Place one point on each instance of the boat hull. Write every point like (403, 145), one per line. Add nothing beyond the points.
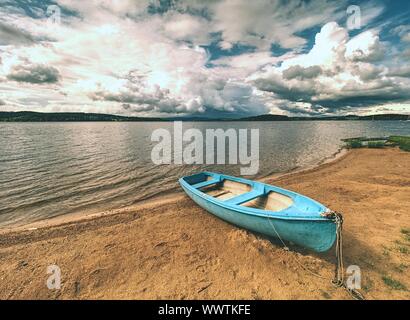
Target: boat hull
(316, 235)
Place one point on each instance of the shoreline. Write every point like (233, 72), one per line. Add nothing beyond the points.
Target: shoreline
(173, 249)
(159, 199)
(334, 158)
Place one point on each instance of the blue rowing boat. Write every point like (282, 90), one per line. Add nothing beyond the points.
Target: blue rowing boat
(262, 208)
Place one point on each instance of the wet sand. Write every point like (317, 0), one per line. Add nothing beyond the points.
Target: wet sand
(172, 249)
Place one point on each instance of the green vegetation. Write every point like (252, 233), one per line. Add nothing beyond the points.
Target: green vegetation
(394, 284)
(368, 285)
(403, 250)
(401, 141)
(362, 142)
(402, 267)
(403, 247)
(386, 252)
(375, 144)
(400, 243)
(406, 233)
(326, 295)
(354, 144)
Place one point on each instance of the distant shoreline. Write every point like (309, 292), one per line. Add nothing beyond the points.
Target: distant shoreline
(30, 116)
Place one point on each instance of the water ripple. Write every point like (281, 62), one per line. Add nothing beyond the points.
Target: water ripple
(52, 169)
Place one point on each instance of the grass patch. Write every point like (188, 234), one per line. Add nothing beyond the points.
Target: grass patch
(402, 141)
(368, 285)
(400, 243)
(406, 234)
(354, 144)
(325, 295)
(394, 284)
(403, 250)
(375, 144)
(405, 231)
(386, 251)
(402, 267)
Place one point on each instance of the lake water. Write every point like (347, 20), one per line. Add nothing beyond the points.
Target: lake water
(52, 169)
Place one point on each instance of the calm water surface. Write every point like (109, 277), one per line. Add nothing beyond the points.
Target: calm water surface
(52, 169)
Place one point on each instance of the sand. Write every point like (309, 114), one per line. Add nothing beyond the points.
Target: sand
(172, 249)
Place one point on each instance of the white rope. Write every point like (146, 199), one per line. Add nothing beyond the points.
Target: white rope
(339, 269)
(338, 280)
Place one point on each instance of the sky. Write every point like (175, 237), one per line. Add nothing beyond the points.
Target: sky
(215, 58)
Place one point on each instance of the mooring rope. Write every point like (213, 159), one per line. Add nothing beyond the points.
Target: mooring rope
(339, 269)
(338, 279)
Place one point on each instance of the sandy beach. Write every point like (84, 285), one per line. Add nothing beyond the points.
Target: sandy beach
(173, 249)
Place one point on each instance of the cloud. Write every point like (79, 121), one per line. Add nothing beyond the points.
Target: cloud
(10, 35)
(214, 57)
(242, 65)
(365, 47)
(337, 74)
(367, 71)
(406, 53)
(370, 11)
(205, 95)
(403, 31)
(301, 73)
(94, 8)
(185, 27)
(400, 71)
(329, 48)
(36, 73)
(133, 96)
(261, 23)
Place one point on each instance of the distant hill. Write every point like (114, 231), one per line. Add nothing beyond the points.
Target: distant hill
(376, 117)
(267, 117)
(29, 116)
(386, 117)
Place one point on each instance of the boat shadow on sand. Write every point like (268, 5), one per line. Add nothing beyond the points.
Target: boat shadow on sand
(355, 251)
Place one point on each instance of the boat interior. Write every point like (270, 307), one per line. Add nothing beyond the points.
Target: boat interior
(244, 194)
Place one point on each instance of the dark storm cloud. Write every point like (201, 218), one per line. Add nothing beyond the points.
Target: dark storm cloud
(307, 91)
(10, 35)
(403, 71)
(133, 99)
(36, 73)
(364, 100)
(124, 97)
(303, 91)
(384, 92)
(302, 73)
